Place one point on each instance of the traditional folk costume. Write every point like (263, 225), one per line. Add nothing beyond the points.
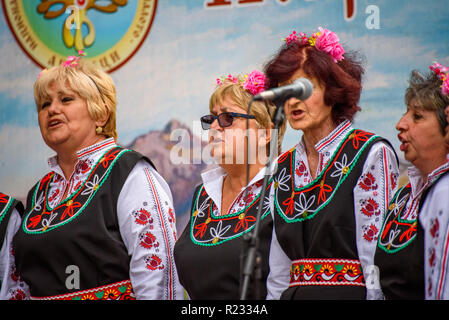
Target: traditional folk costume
(412, 251)
(326, 229)
(111, 237)
(208, 252)
(12, 287)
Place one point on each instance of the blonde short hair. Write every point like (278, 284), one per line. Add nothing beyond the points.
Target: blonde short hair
(241, 97)
(91, 83)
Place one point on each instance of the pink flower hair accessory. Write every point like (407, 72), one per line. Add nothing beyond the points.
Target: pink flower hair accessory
(72, 61)
(443, 73)
(324, 40)
(254, 82)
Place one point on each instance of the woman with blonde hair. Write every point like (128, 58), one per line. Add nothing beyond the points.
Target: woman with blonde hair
(224, 206)
(100, 224)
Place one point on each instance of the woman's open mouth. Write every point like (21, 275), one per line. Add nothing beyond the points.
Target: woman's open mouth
(296, 114)
(54, 124)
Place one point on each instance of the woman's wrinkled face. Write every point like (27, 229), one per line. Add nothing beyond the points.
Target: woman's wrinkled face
(421, 139)
(228, 145)
(308, 114)
(64, 119)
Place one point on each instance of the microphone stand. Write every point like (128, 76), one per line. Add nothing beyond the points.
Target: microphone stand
(251, 258)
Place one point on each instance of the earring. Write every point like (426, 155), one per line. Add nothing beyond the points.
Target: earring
(99, 130)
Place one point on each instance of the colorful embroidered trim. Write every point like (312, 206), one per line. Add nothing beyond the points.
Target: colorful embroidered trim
(209, 230)
(326, 272)
(42, 218)
(397, 233)
(5, 204)
(122, 290)
(297, 205)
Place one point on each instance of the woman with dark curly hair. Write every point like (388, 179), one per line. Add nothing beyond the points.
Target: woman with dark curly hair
(331, 189)
(412, 251)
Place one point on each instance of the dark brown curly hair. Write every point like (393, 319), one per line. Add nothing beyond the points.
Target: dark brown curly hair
(342, 81)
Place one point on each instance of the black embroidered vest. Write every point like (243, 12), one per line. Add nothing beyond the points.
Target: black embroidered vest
(400, 251)
(208, 253)
(7, 205)
(315, 225)
(80, 233)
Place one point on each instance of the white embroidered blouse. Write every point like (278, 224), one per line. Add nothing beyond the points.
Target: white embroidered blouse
(146, 220)
(434, 218)
(12, 287)
(372, 193)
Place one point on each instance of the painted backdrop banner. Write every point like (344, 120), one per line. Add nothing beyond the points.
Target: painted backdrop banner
(165, 56)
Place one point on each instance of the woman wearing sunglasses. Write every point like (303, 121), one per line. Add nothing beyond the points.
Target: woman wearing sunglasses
(224, 207)
(330, 191)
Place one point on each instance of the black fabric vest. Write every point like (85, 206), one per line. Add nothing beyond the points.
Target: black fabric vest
(400, 250)
(208, 253)
(81, 231)
(7, 205)
(321, 226)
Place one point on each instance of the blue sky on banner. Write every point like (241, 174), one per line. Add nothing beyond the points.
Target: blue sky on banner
(189, 46)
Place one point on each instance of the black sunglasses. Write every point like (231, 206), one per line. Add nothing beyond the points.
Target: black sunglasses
(225, 119)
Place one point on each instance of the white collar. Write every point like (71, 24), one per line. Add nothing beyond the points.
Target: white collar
(213, 182)
(89, 152)
(330, 140)
(416, 181)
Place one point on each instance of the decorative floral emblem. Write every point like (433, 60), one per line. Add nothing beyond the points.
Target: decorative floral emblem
(56, 29)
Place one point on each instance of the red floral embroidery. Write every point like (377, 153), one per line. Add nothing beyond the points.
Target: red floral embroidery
(370, 207)
(243, 222)
(434, 227)
(34, 221)
(202, 227)
(289, 204)
(360, 136)
(83, 166)
(105, 160)
(323, 189)
(53, 195)
(411, 231)
(18, 295)
(69, 210)
(148, 240)
(432, 257)
(153, 262)
(45, 179)
(368, 182)
(3, 198)
(301, 169)
(171, 215)
(370, 233)
(394, 180)
(143, 217)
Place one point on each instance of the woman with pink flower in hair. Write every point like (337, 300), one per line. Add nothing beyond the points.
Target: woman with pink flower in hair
(412, 252)
(99, 225)
(224, 206)
(330, 191)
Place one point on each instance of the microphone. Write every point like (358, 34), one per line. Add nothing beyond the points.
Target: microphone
(301, 89)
